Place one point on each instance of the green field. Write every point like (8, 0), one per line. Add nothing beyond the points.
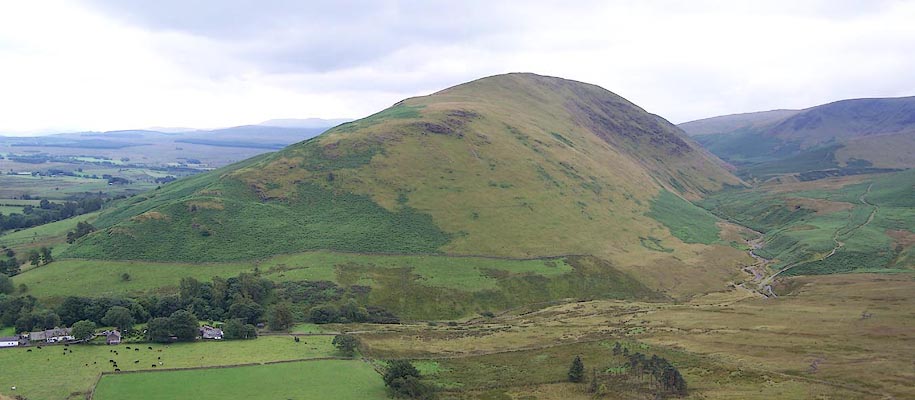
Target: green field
(89, 278)
(53, 235)
(461, 286)
(71, 374)
(62, 187)
(325, 379)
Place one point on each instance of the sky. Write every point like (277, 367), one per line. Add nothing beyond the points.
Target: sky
(125, 64)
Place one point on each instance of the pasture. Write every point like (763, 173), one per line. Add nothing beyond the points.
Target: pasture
(320, 379)
(48, 373)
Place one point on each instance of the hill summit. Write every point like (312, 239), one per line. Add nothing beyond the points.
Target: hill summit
(516, 165)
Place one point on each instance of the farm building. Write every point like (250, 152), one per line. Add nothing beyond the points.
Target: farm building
(11, 341)
(51, 335)
(209, 332)
(113, 337)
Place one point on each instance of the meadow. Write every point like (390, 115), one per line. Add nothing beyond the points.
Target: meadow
(49, 373)
(323, 379)
(403, 284)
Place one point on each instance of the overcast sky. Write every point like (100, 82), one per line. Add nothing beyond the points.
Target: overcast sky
(104, 65)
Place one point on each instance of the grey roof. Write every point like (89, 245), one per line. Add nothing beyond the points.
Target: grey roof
(9, 339)
(50, 333)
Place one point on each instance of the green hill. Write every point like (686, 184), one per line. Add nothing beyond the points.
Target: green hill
(517, 165)
(842, 138)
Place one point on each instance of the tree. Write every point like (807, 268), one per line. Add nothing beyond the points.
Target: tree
(247, 310)
(34, 258)
(237, 329)
(594, 387)
(6, 284)
(119, 317)
(347, 344)
(158, 330)
(184, 325)
(324, 314)
(83, 330)
(125, 277)
(280, 317)
(403, 381)
(577, 370)
(46, 255)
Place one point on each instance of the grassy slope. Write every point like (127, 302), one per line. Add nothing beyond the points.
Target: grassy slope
(338, 379)
(53, 235)
(72, 375)
(513, 165)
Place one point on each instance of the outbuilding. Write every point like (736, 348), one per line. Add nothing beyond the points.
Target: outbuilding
(11, 341)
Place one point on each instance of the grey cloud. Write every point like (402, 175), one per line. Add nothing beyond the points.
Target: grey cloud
(296, 36)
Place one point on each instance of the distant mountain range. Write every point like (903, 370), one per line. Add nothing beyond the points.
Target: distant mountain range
(215, 147)
(844, 137)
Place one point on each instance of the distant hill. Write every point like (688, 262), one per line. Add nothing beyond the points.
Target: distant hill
(304, 123)
(844, 137)
(516, 165)
(213, 148)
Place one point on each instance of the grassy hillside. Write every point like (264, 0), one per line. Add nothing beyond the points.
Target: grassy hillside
(852, 224)
(516, 165)
(845, 138)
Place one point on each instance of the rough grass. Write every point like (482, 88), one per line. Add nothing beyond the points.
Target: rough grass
(686, 221)
(72, 375)
(325, 379)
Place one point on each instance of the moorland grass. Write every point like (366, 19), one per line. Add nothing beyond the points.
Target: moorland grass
(323, 379)
(70, 372)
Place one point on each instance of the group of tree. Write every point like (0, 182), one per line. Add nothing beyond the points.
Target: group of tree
(41, 256)
(346, 344)
(82, 229)
(182, 325)
(49, 212)
(663, 378)
(243, 302)
(402, 380)
(9, 265)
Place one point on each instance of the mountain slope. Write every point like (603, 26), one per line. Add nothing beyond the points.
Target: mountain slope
(844, 137)
(516, 165)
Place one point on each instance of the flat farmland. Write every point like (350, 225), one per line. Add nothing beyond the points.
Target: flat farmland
(320, 379)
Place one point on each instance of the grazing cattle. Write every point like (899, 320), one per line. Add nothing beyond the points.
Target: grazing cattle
(39, 347)
(87, 364)
(136, 361)
(154, 365)
(136, 349)
(117, 370)
(28, 351)
(128, 347)
(111, 361)
(150, 347)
